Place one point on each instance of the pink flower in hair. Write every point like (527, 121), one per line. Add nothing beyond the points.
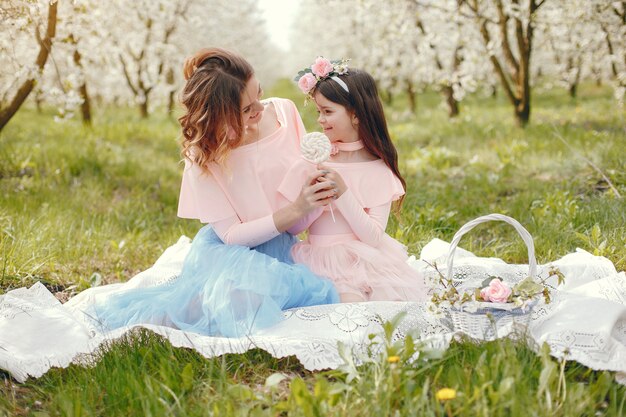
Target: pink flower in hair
(322, 67)
(307, 82)
(496, 292)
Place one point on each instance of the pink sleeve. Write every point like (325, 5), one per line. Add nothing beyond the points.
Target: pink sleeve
(291, 185)
(233, 232)
(376, 186)
(290, 188)
(306, 221)
(201, 197)
(367, 224)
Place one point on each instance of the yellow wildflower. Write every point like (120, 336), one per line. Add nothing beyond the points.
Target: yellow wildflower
(445, 394)
(393, 359)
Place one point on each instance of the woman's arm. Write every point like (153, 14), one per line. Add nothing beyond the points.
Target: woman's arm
(313, 196)
(305, 222)
(233, 231)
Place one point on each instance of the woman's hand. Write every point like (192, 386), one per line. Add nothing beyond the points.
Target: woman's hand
(317, 191)
(334, 180)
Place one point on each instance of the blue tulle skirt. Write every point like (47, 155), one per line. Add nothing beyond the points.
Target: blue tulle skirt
(223, 290)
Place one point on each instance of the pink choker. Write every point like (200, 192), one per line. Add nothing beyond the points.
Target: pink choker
(335, 147)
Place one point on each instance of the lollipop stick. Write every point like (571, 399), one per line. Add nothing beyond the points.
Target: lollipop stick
(332, 214)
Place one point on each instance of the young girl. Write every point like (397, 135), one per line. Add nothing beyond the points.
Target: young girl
(352, 249)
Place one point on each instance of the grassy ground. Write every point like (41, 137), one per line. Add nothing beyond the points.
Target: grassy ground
(80, 206)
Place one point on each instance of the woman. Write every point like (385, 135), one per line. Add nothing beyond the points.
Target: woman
(237, 149)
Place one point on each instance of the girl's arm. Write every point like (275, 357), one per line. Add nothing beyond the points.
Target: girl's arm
(367, 224)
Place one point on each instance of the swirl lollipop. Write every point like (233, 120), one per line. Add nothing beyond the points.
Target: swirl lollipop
(315, 148)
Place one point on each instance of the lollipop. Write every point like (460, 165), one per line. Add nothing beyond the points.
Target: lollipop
(315, 147)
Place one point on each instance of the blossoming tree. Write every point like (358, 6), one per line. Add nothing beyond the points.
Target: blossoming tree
(507, 31)
(69, 54)
(611, 18)
(457, 46)
(117, 52)
(421, 43)
(34, 23)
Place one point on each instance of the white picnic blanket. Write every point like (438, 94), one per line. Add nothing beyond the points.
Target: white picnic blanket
(585, 322)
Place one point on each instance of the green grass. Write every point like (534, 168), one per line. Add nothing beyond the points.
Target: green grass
(79, 203)
(144, 375)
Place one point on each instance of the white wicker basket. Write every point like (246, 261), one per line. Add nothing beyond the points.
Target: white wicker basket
(485, 320)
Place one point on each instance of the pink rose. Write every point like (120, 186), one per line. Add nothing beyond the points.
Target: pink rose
(307, 82)
(322, 67)
(496, 292)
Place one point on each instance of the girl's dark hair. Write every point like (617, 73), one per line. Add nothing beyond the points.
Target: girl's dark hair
(364, 103)
(212, 124)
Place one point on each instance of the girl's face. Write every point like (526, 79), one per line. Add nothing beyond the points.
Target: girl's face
(251, 107)
(338, 123)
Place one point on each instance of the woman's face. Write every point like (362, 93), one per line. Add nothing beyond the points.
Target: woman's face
(338, 123)
(251, 107)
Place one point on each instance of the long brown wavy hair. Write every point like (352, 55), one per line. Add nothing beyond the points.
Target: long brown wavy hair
(212, 124)
(363, 101)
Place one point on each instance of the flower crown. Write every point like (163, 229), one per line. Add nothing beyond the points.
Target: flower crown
(321, 69)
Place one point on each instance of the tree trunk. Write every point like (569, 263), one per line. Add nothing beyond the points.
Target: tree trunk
(522, 110)
(25, 89)
(573, 84)
(494, 92)
(38, 101)
(513, 69)
(451, 102)
(388, 97)
(609, 44)
(522, 113)
(410, 91)
(143, 108)
(171, 103)
(448, 91)
(85, 107)
(169, 79)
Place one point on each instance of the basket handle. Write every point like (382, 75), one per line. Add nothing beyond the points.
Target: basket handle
(526, 237)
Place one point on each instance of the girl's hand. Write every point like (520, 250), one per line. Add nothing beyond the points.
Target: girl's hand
(334, 179)
(316, 192)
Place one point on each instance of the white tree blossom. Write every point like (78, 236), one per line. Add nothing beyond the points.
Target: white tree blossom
(30, 28)
(120, 52)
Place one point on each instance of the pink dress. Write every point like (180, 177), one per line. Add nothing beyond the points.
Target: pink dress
(354, 251)
(246, 186)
